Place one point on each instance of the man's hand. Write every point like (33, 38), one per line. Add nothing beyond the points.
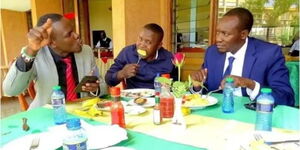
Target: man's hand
(240, 82)
(91, 87)
(199, 77)
(38, 37)
(128, 71)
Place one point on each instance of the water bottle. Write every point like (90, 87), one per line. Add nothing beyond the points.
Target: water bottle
(75, 138)
(264, 110)
(157, 85)
(58, 104)
(228, 103)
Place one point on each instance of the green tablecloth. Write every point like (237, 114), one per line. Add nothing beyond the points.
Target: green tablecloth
(293, 67)
(40, 119)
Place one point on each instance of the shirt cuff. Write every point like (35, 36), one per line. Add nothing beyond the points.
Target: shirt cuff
(253, 93)
(22, 65)
(194, 91)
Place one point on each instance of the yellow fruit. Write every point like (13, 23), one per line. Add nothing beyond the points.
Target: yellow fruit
(90, 102)
(142, 52)
(80, 112)
(94, 112)
(185, 111)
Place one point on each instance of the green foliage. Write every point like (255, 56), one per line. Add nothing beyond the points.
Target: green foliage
(179, 88)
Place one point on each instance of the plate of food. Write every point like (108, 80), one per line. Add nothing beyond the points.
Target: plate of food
(196, 101)
(136, 93)
(105, 105)
(144, 102)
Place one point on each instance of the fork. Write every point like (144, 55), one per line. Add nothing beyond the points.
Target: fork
(34, 143)
(258, 137)
(209, 93)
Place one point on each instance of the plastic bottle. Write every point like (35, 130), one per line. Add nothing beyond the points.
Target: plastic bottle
(264, 110)
(75, 137)
(228, 103)
(58, 104)
(117, 109)
(157, 119)
(157, 85)
(166, 102)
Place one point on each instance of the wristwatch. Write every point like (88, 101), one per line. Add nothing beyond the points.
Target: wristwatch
(27, 58)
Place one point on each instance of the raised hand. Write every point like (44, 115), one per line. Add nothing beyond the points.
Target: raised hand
(199, 77)
(38, 37)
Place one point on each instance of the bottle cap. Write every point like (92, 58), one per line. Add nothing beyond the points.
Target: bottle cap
(115, 91)
(266, 90)
(56, 87)
(166, 75)
(229, 79)
(73, 123)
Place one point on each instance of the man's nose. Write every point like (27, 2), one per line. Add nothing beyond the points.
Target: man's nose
(219, 38)
(75, 35)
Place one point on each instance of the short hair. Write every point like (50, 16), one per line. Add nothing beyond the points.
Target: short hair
(43, 19)
(156, 29)
(244, 15)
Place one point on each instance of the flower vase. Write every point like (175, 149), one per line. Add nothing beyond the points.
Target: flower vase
(178, 119)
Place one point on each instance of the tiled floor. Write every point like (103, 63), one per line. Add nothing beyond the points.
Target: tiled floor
(10, 106)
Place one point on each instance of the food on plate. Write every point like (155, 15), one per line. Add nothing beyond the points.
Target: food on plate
(194, 100)
(185, 111)
(137, 94)
(140, 101)
(93, 111)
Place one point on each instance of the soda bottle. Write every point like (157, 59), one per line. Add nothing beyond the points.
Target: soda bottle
(117, 109)
(75, 137)
(264, 110)
(58, 104)
(228, 103)
(157, 85)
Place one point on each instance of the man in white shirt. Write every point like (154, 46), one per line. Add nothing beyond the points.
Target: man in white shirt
(253, 63)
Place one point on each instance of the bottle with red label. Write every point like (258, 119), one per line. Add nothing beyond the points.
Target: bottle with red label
(117, 109)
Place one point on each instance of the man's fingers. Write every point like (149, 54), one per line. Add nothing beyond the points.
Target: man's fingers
(47, 24)
(35, 35)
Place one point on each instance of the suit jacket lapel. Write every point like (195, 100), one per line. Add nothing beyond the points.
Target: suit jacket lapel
(79, 65)
(249, 60)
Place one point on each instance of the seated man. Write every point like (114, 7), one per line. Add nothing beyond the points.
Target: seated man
(252, 63)
(53, 56)
(138, 71)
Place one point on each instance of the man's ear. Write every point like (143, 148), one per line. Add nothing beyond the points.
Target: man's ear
(244, 34)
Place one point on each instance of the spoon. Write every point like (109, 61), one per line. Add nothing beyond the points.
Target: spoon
(209, 93)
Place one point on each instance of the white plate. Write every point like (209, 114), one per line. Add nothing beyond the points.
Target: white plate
(99, 136)
(149, 103)
(135, 93)
(211, 101)
(134, 110)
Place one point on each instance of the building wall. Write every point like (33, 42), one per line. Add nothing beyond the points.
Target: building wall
(13, 37)
(129, 16)
(41, 7)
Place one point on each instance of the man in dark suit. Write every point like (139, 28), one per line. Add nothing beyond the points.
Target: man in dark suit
(254, 63)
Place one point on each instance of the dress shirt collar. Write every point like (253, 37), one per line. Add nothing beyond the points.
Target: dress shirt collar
(240, 54)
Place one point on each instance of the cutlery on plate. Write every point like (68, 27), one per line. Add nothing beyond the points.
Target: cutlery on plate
(213, 91)
(34, 143)
(258, 137)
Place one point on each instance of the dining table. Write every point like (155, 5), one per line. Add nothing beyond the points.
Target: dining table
(206, 128)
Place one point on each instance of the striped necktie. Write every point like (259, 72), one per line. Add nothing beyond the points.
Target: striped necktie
(229, 67)
(71, 94)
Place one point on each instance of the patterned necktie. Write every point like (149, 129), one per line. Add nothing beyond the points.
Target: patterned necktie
(229, 67)
(71, 94)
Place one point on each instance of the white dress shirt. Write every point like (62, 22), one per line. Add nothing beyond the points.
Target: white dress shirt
(237, 70)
